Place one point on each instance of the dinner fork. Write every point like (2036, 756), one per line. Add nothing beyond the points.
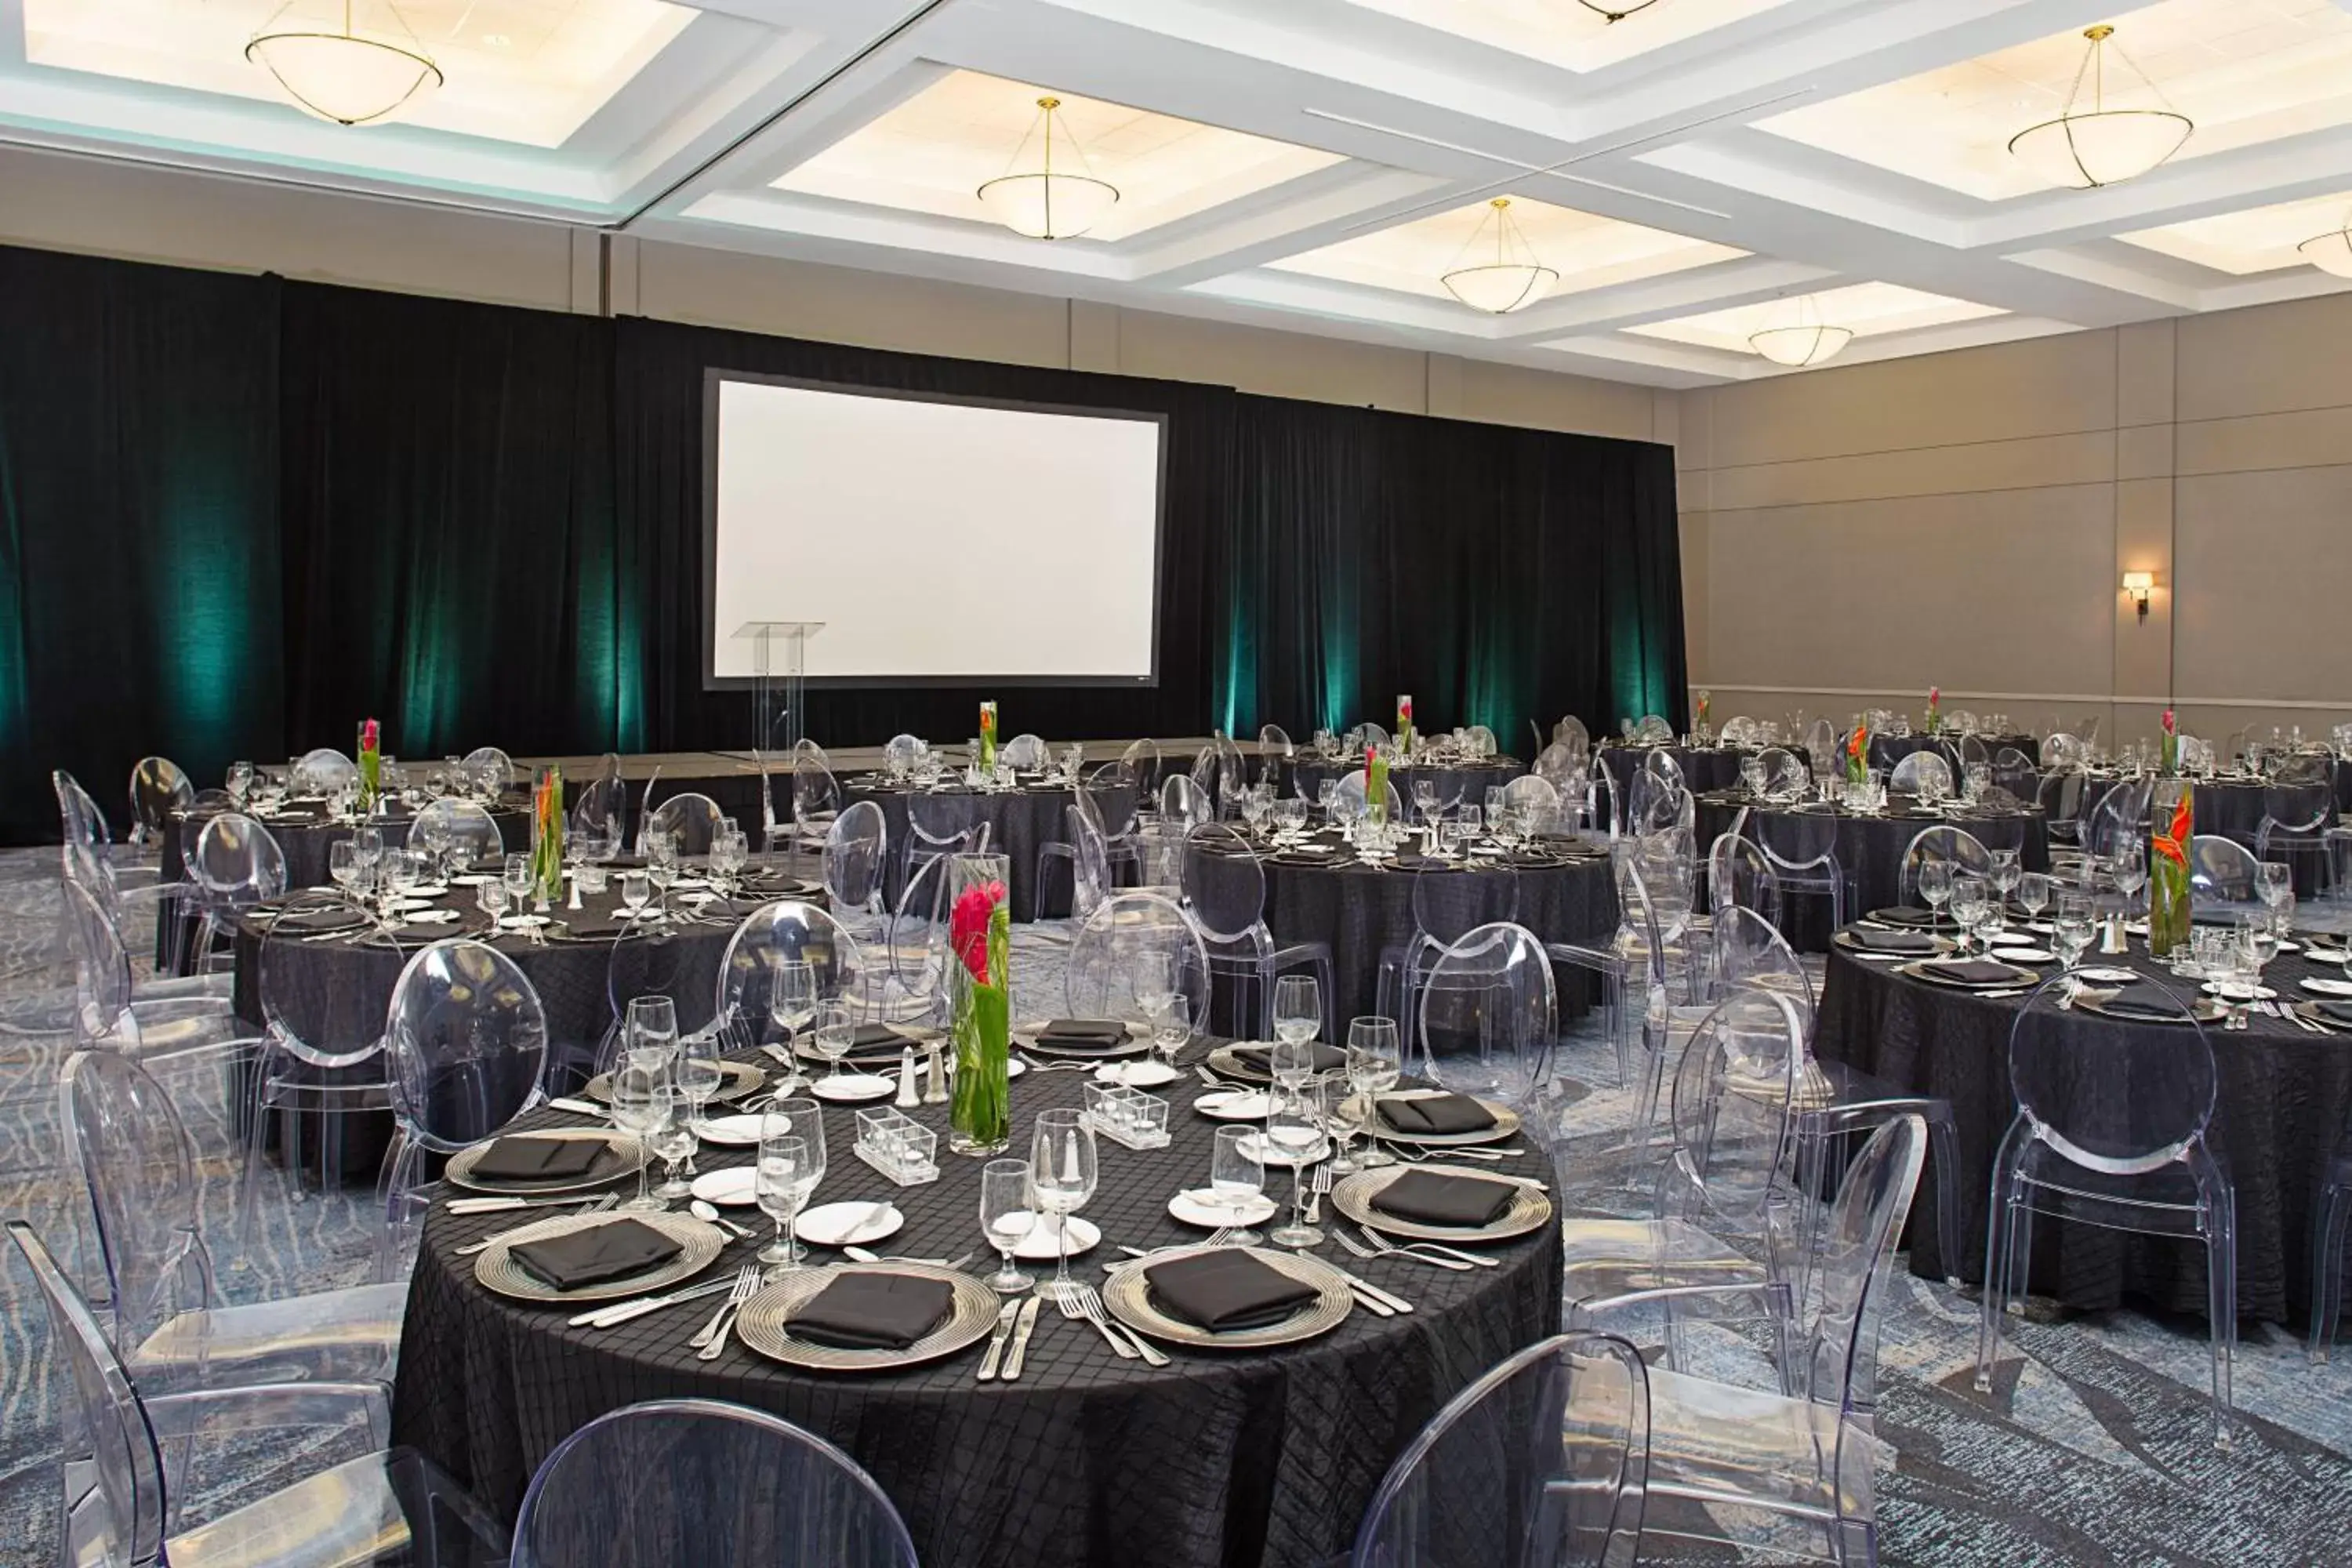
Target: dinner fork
(711, 1338)
(1073, 1307)
(1375, 1245)
(1435, 1248)
(1318, 1189)
(471, 1247)
(1091, 1302)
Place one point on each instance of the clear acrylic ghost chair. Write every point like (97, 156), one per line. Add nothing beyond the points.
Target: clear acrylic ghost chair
(1539, 1462)
(1224, 891)
(2330, 1215)
(2082, 1149)
(493, 767)
(1115, 797)
(236, 864)
(2296, 815)
(2060, 749)
(648, 959)
(817, 800)
(677, 1481)
(1184, 804)
(938, 824)
(1107, 952)
(600, 813)
(1920, 774)
(916, 943)
(787, 930)
(1370, 734)
(1654, 801)
(805, 748)
(693, 821)
(465, 1040)
(2223, 875)
(1348, 798)
(1789, 1472)
(1570, 732)
(1738, 876)
(141, 1170)
(158, 788)
(1447, 905)
(2117, 822)
(123, 1451)
(900, 752)
(1087, 852)
(1558, 766)
(82, 822)
(1232, 776)
(856, 852)
(1801, 844)
(1274, 741)
(1953, 847)
(2059, 792)
(1025, 752)
(321, 771)
(1488, 1016)
(1203, 774)
(319, 1058)
(1604, 817)
(1822, 749)
(1537, 802)
(1634, 970)
(1654, 731)
(1142, 758)
(113, 1008)
(1786, 775)
(456, 832)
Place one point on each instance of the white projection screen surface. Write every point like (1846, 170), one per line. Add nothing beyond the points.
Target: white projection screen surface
(938, 541)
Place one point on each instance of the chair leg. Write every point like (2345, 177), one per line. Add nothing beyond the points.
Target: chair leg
(2005, 1236)
(2222, 1303)
(1943, 1146)
(256, 1134)
(2327, 1269)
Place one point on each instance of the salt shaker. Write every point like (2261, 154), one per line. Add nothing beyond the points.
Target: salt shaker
(907, 1095)
(937, 1092)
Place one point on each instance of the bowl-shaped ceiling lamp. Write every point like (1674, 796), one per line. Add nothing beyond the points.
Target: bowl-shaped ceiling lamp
(1051, 195)
(2094, 143)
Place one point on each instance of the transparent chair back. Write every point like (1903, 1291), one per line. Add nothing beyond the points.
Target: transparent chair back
(1662, 766)
(1559, 766)
(1115, 794)
(1225, 884)
(1143, 757)
(1922, 773)
(1537, 802)
(456, 832)
(84, 824)
(806, 750)
(654, 959)
(158, 788)
(1570, 732)
(315, 1023)
(785, 931)
(600, 814)
(2222, 872)
(900, 752)
(492, 766)
(1750, 951)
(1274, 740)
(816, 795)
(919, 942)
(1821, 748)
(1656, 803)
(237, 861)
(1738, 876)
(1184, 801)
(1106, 953)
(467, 1040)
(2059, 793)
(1539, 1463)
(1369, 734)
(1488, 1015)
(1025, 752)
(321, 771)
(1786, 775)
(940, 824)
(693, 822)
(2119, 820)
(679, 1481)
(1654, 731)
(2062, 750)
(1348, 798)
(138, 1167)
(1953, 847)
(101, 967)
(1733, 1157)
(855, 852)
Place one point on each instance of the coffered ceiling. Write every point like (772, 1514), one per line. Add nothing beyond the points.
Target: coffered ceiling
(1316, 164)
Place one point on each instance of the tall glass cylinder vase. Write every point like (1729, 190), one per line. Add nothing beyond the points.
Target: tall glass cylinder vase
(2172, 820)
(547, 838)
(980, 945)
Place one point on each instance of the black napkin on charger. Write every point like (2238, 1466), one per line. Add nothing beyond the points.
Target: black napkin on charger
(872, 1311)
(1226, 1290)
(595, 1254)
(2133, 1002)
(319, 920)
(1904, 915)
(871, 1036)
(1892, 941)
(1434, 1198)
(523, 1158)
(2336, 1012)
(1328, 1059)
(1083, 1035)
(1970, 971)
(1436, 1114)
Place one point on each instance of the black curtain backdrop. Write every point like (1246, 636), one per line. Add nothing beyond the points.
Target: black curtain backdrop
(238, 515)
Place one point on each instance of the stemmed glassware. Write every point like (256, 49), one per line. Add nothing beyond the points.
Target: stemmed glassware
(516, 874)
(490, 895)
(1005, 1218)
(674, 1141)
(1297, 1010)
(1374, 1064)
(651, 1029)
(1294, 1137)
(2069, 931)
(641, 1107)
(700, 1074)
(1936, 886)
(661, 864)
(2130, 866)
(1424, 799)
(2274, 881)
(1237, 1176)
(2033, 894)
(791, 1163)
(240, 784)
(1171, 1026)
(2005, 872)
(1345, 1116)
(836, 1032)
(343, 866)
(792, 997)
(1062, 1176)
(636, 892)
(1970, 891)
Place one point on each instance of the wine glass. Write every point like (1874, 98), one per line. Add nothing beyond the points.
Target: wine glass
(2005, 872)
(2274, 881)
(1470, 817)
(1345, 1116)
(700, 1073)
(641, 1106)
(343, 864)
(636, 893)
(837, 1031)
(1970, 891)
(791, 999)
(1298, 1008)
(1237, 1175)
(1005, 1218)
(241, 783)
(674, 1141)
(1061, 1179)
(661, 862)
(792, 1179)
(492, 897)
(1293, 1136)
(1375, 1063)
(516, 874)
(2070, 927)
(1424, 799)
(2033, 894)
(1936, 886)
(652, 1030)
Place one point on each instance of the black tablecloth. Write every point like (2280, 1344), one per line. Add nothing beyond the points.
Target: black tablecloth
(1464, 784)
(1021, 822)
(2233, 808)
(1703, 767)
(2284, 1101)
(305, 834)
(1236, 1458)
(1871, 848)
(1885, 751)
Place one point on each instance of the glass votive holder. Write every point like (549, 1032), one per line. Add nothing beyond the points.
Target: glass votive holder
(902, 1148)
(591, 877)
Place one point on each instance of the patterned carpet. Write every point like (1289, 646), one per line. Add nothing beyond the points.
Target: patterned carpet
(2095, 1449)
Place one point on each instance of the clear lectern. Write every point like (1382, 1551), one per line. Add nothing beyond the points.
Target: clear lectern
(778, 657)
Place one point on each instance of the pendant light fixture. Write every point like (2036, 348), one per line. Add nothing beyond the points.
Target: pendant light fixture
(344, 76)
(2090, 144)
(1512, 279)
(1616, 10)
(1042, 199)
(1799, 336)
(2330, 252)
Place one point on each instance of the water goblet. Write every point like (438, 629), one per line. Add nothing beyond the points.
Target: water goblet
(1345, 1116)
(2033, 893)
(700, 1074)
(792, 997)
(1062, 1176)
(1237, 1177)
(650, 1027)
(837, 1031)
(2274, 881)
(1171, 1026)
(1471, 819)
(343, 864)
(2005, 872)
(1970, 891)
(1936, 886)
(641, 1106)
(674, 1141)
(2130, 866)
(1005, 1218)
(492, 895)
(241, 783)
(1424, 799)
(803, 1121)
(1298, 1008)
(516, 874)
(1375, 1063)
(2070, 927)
(1294, 1137)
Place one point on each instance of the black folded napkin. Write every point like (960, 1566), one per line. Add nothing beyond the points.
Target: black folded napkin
(1226, 1290)
(2339, 1012)
(872, 1311)
(1892, 941)
(1903, 915)
(1432, 1198)
(2225, 917)
(527, 1159)
(1437, 1113)
(2127, 1004)
(321, 920)
(1970, 971)
(1328, 1059)
(871, 1035)
(615, 1250)
(1081, 1036)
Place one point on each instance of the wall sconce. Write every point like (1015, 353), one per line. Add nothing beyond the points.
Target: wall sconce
(2138, 584)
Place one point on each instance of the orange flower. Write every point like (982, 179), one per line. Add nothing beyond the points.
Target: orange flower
(2173, 843)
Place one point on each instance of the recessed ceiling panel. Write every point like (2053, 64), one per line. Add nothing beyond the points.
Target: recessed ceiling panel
(932, 152)
(1869, 310)
(2246, 71)
(2262, 239)
(1587, 252)
(1569, 33)
(517, 70)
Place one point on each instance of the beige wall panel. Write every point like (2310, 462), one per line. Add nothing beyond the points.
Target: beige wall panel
(1094, 336)
(2004, 592)
(1694, 435)
(2305, 439)
(1665, 416)
(1512, 395)
(2144, 526)
(838, 304)
(2145, 361)
(1697, 656)
(2262, 560)
(2144, 452)
(2043, 386)
(1839, 704)
(2036, 462)
(1280, 364)
(153, 214)
(2270, 359)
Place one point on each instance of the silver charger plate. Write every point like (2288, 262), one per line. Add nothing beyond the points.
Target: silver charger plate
(1127, 1294)
(1506, 1124)
(2016, 977)
(1024, 1035)
(1847, 940)
(460, 1171)
(804, 1048)
(1531, 1209)
(971, 1315)
(499, 1273)
(736, 1079)
(1225, 1063)
(2206, 1009)
(2310, 1010)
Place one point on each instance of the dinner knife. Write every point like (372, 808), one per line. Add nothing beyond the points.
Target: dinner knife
(606, 1317)
(1021, 1333)
(996, 1340)
(1365, 1288)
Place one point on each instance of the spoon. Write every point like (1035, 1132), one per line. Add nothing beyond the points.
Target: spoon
(704, 1211)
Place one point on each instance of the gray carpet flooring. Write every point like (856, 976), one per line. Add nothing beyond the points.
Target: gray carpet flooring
(2094, 1448)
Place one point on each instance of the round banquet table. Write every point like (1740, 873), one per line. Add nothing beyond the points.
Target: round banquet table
(1885, 751)
(2283, 1104)
(1462, 784)
(1704, 768)
(304, 830)
(1020, 821)
(1870, 851)
(2233, 807)
(1562, 890)
(1236, 1460)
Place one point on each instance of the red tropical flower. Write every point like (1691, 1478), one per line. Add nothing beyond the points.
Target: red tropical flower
(967, 926)
(2173, 843)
